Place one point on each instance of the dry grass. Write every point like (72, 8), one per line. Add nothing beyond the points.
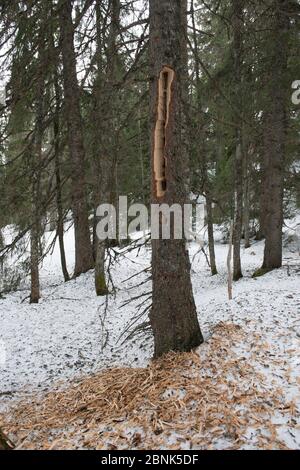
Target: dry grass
(182, 400)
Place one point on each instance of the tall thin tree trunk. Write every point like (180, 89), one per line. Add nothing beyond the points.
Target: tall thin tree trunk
(141, 156)
(263, 186)
(275, 136)
(202, 152)
(238, 212)
(246, 218)
(102, 161)
(229, 261)
(97, 130)
(36, 162)
(59, 222)
(105, 110)
(238, 162)
(59, 205)
(173, 316)
(210, 231)
(83, 248)
(34, 261)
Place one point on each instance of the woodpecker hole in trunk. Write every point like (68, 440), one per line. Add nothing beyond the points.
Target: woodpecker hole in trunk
(165, 81)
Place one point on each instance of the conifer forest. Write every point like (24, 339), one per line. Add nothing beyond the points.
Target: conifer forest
(149, 227)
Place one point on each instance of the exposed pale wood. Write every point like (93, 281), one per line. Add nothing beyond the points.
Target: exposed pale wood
(163, 110)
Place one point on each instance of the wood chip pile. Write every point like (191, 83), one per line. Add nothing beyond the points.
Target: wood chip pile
(202, 400)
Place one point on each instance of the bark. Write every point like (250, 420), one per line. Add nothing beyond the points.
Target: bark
(275, 137)
(246, 219)
(173, 315)
(97, 129)
(51, 218)
(238, 212)
(262, 199)
(59, 220)
(59, 204)
(238, 163)
(36, 161)
(34, 263)
(83, 247)
(106, 141)
(229, 262)
(100, 278)
(210, 231)
(202, 155)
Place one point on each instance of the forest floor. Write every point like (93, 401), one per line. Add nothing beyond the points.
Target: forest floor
(68, 381)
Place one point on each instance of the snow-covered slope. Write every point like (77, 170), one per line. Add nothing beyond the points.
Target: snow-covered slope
(71, 332)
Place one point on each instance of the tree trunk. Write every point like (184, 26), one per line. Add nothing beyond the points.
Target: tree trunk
(36, 162)
(35, 227)
(59, 222)
(238, 212)
(106, 141)
(262, 201)
(202, 151)
(34, 264)
(263, 195)
(275, 137)
(229, 260)
(59, 205)
(210, 231)
(238, 162)
(247, 199)
(173, 316)
(83, 247)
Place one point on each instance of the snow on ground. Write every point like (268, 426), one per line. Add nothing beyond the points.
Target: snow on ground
(70, 333)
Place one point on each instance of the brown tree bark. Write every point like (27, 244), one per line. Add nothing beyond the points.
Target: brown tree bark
(36, 162)
(34, 263)
(59, 221)
(275, 135)
(59, 204)
(246, 218)
(260, 235)
(229, 262)
(210, 232)
(106, 139)
(237, 23)
(238, 211)
(173, 316)
(83, 248)
(202, 156)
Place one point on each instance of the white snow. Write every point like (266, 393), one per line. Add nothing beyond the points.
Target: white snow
(69, 333)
